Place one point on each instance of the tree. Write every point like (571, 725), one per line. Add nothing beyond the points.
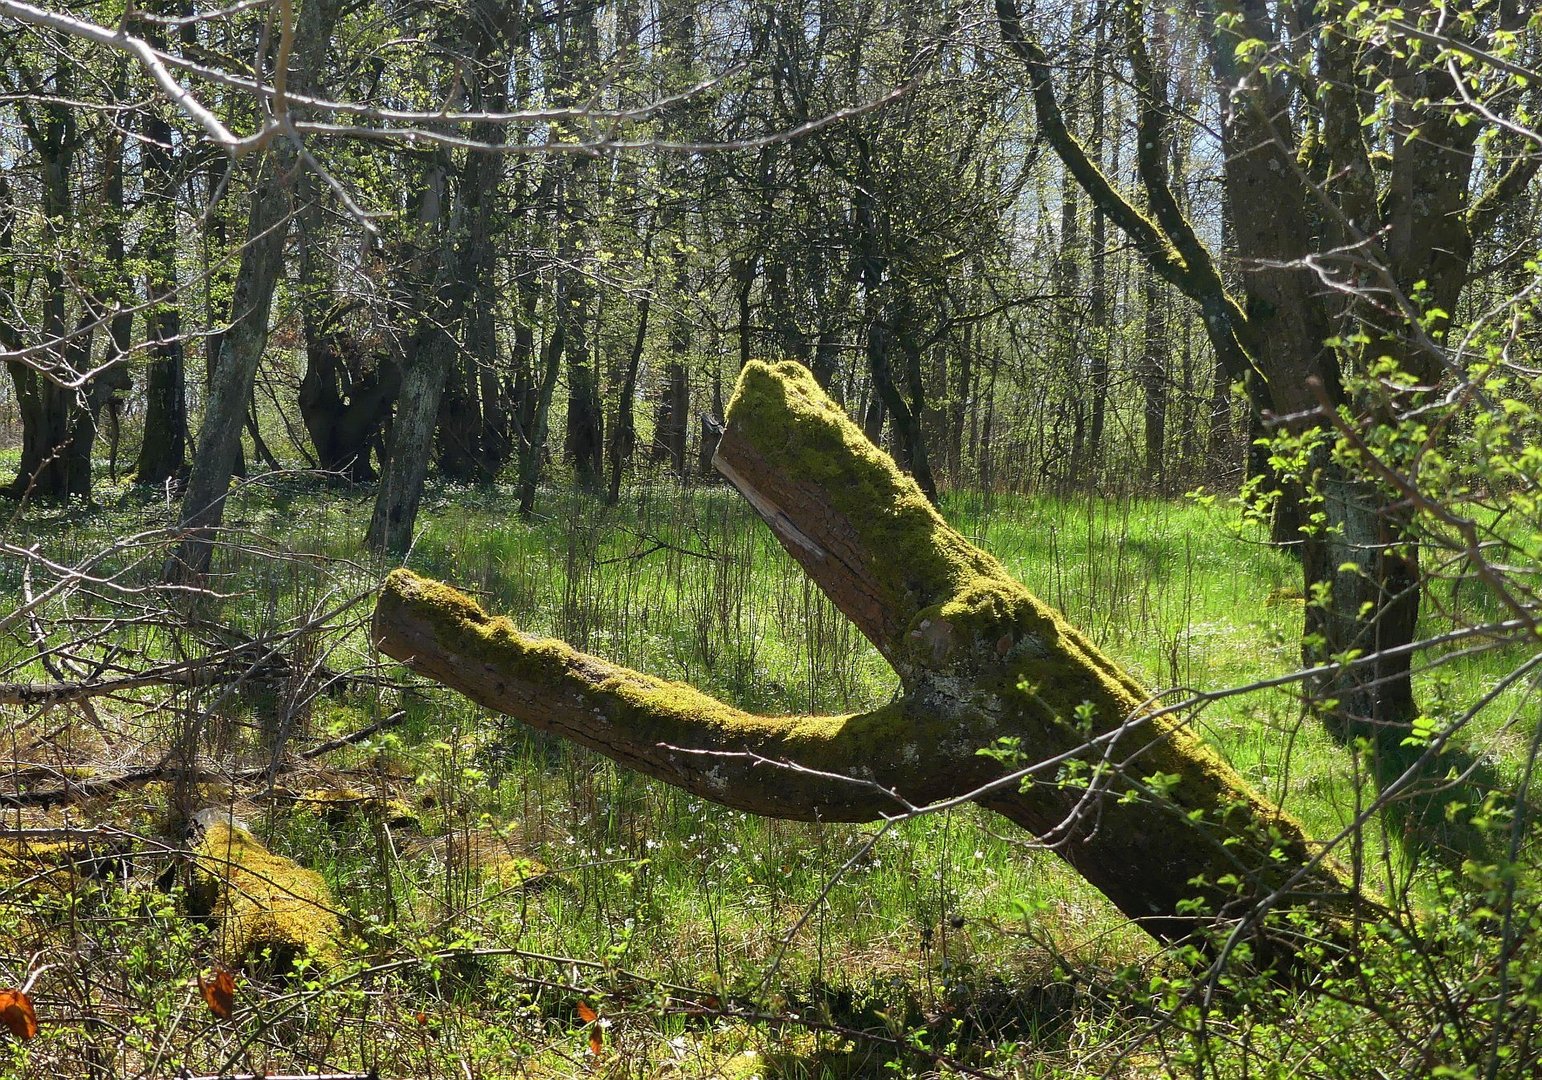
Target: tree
(303, 44)
(1359, 177)
(1166, 830)
(163, 450)
(60, 385)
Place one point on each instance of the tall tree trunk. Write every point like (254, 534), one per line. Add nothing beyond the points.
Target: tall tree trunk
(961, 401)
(241, 346)
(623, 433)
(1155, 359)
(461, 258)
(103, 392)
(533, 452)
(670, 426)
(583, 440)
(163, 450)
(1101, 337)
(412, 432)
(426, 366)
(58, 426)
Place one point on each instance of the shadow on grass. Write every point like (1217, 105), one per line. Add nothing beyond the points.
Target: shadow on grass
(1456, 809)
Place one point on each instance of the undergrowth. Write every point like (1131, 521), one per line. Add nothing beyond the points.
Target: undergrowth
(515, 906)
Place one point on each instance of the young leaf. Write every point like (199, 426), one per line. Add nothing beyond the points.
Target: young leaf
(586, 1012)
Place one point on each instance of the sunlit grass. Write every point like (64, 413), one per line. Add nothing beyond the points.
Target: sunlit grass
(645, 881)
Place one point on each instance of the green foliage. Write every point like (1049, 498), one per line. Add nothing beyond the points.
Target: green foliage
(940, 934)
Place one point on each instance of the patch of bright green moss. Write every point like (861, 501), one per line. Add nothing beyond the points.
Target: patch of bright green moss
(266, 908)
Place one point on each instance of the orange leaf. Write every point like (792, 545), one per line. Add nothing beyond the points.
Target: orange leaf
(596, 1041)
(220, 992)
(586, 1012)
(16, 1013)
(422, 1018)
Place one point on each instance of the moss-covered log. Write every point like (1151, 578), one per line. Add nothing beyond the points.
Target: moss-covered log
(268, 911)
(1139, 806)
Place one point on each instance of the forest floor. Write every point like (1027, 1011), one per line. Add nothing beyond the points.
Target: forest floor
(514, 906)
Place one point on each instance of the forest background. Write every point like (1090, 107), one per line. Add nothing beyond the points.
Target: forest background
(1215, 323)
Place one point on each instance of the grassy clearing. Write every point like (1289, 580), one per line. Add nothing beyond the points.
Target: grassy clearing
(490, 880)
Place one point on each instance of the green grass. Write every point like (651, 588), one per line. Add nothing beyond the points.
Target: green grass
(950, 929)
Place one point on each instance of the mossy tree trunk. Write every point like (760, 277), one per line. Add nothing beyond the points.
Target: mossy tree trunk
(1133, 801)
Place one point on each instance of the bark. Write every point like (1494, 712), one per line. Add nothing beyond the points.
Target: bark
(241, 346)
(1154, 361)
(163, 451)
(426, 367)
(1163, 822)
(583, 439)
(623, 433)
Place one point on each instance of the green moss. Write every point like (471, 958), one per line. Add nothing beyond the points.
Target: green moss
(267, 909)
(39, 867)
(782, 413)
(337, 805)
(518, 872)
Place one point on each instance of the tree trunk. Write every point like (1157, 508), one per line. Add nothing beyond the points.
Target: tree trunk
(242, 344)
(1097, 241)
(583, 440)
(623, 433)
(711, 426)
(670, 430)
(458, 428)
(412, 434)
(1154, 361)
(533, 452)
(163, 450)
(230, 393)
(427, 365)
(58, 426)
(1134, 801)
(345, 396)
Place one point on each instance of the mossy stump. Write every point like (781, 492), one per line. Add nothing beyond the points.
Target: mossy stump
(268, 912)
(1129, 797)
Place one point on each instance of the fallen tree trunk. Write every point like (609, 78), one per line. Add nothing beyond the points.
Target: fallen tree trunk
(269, 912)
(1133, 800)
